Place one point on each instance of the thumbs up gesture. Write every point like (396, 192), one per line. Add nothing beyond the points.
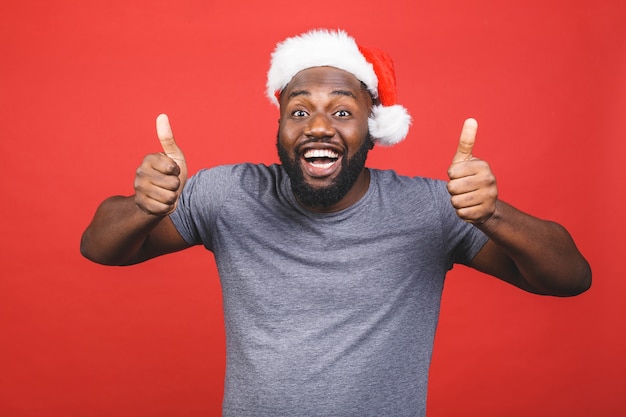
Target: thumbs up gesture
(472, 185)
(160, 178)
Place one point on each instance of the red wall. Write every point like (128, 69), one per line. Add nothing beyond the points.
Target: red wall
(80, 86)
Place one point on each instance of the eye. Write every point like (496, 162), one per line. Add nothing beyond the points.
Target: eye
(342, 113)
(299, 113)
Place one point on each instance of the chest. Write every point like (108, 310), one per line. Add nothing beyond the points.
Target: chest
(288, 261)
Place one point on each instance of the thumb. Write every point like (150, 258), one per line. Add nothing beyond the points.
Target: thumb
(170, 148)
(166, 137)
(466, 141)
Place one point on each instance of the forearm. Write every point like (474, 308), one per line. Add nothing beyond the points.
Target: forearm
(543, 252)
(117, 232)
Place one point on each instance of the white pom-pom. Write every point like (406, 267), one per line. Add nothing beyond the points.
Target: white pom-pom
(389, 124)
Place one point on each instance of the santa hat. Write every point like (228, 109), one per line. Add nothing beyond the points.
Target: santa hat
(389, 122)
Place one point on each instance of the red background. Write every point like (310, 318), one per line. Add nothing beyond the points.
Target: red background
(80, 86)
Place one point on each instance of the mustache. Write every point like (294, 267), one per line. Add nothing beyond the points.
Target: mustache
(369, 143)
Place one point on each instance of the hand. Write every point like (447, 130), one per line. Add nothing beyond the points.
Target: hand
(472, 185)
(160, 178)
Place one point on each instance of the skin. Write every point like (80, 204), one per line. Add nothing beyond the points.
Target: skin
(326, 108)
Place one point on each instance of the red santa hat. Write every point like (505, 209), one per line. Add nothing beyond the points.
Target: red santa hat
(388, 122)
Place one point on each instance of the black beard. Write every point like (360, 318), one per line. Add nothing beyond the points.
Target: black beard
(316, 197)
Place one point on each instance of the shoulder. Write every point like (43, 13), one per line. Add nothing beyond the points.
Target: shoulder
(390, 176)
(244, 173)
(233, 170)
(211, 192)
(423, 198)
(233, 183)
(391, 183)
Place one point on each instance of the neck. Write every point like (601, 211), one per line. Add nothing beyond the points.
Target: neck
(356, 192)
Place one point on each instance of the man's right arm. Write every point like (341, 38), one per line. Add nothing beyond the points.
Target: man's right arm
(128, 230)
(122, 234)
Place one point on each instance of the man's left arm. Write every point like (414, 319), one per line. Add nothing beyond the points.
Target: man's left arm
(536, 255)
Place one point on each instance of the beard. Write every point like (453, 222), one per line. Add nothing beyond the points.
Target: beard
(323, 197)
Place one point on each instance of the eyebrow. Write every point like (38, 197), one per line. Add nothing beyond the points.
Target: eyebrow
(346, 93)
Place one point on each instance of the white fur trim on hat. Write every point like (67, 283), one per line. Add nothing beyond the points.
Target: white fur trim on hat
(318, 48)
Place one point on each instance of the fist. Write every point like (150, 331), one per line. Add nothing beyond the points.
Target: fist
(160, 178)
(472, 186)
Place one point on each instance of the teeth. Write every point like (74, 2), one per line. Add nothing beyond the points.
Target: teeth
(322, 165)
(321, 153)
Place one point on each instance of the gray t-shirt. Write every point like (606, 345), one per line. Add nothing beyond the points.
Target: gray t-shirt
(326, 314)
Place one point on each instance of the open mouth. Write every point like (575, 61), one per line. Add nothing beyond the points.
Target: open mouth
(320, 163)
(321, 158)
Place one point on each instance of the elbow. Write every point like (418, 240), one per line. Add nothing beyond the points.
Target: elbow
(87, 252)
(583, 281)
(101, 255)
(578, 282)
(84, 247)
(92, 253)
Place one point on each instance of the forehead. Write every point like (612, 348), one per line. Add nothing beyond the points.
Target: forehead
(325, 78)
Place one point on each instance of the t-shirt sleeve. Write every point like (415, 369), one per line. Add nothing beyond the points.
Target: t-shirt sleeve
(199, 205)
(463, 240)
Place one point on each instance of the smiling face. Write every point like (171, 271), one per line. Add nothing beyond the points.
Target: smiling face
(323, 137)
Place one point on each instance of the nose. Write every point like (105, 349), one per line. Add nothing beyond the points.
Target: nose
(319, 126)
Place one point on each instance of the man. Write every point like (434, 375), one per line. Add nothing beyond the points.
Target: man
(332, 273)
